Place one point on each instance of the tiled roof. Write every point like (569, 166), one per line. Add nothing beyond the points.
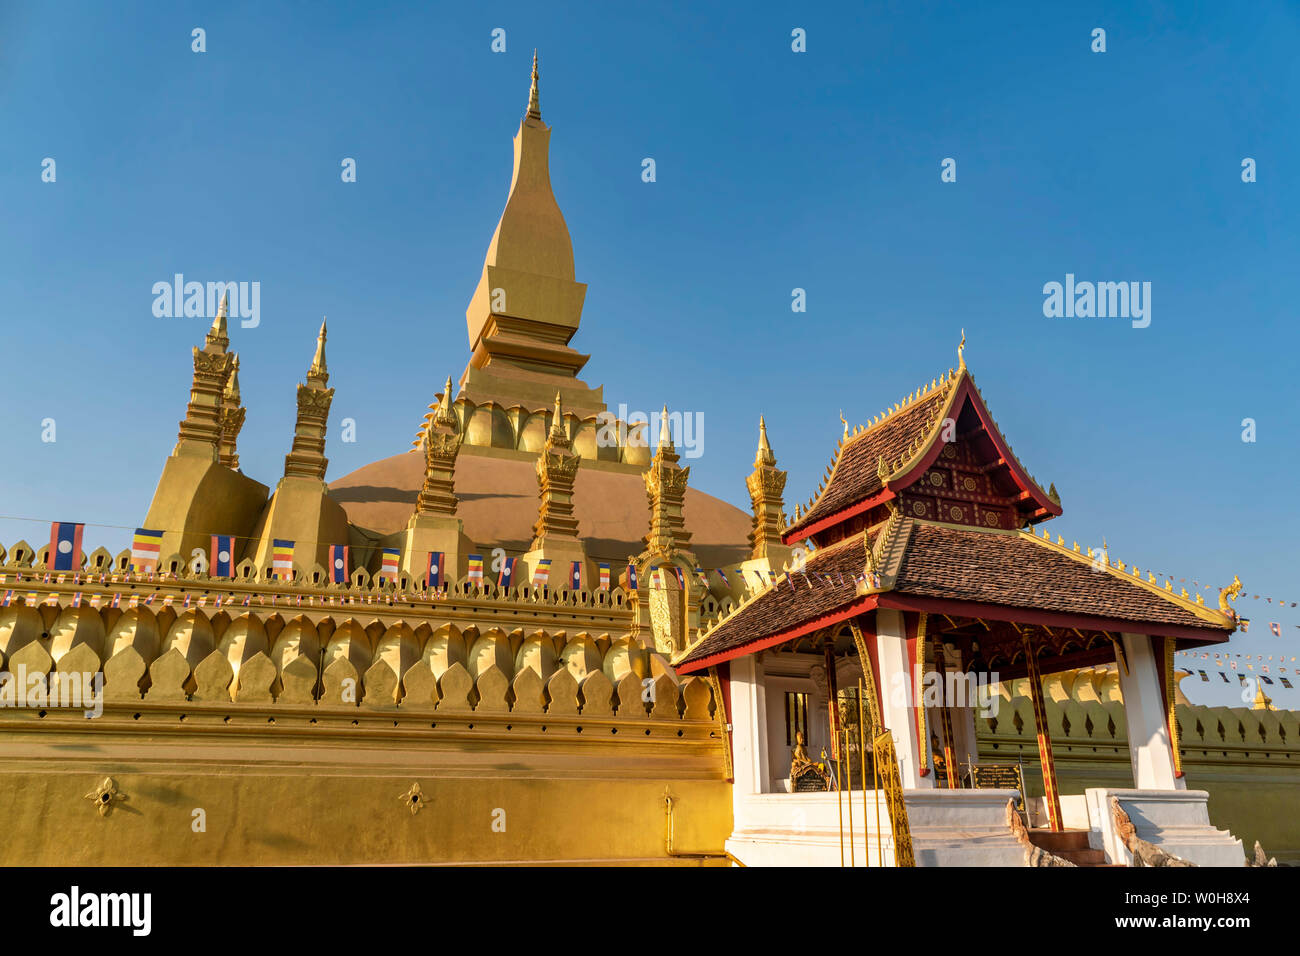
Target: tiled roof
(855, 476)
(1019, 570)
(1013, 570)
(787, 605)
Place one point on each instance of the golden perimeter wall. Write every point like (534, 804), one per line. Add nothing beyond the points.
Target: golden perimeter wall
(483, 727)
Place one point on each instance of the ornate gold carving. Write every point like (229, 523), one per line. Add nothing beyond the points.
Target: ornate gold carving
(413, 798)
(105, 796)
(1229, 594)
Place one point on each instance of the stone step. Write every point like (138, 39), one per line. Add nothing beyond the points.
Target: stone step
(1057, 841)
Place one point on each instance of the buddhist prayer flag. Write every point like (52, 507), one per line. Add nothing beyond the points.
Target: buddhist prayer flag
(388, 563)
(435, 569)
(542, 573)
(507, 573)
(476, 569)
(1245, 624)
(1285, 683)
(282, 557)
(1205, 678)
(575, 576)
(704, 578)
(631, 576)
(221, 556)
(339, 555)
(146, 547)
(65, 546)
(604, 577)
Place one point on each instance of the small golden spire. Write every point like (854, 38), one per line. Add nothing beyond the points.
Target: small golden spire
(765, 455)
(961, 348)
(557, 421)
(1262, 700)
(318, 371)
(444, 414)
(846, 423)
(219, 334)
(665, 433)
(534, 104)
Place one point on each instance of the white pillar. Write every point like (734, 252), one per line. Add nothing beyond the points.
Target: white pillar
(898, 694)
(1149, 746)
(748, 726)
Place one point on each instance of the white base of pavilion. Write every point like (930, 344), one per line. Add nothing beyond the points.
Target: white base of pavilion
(1177, 821)
(948, 827)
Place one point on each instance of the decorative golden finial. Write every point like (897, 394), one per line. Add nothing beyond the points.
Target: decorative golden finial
(765, 455)
(961, 348)
(218, 334)
(665, 433)
(557, 422)
(1262, 700)
(846, 423)
(444, 414)
(318, 371)
(534, 103)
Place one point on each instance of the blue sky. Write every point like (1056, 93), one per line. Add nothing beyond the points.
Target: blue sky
(775, 170)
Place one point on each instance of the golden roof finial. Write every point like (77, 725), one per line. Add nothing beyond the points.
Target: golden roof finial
(961, 348)
(534, 103)
(318, 370)
(764, 456)
(846, 423)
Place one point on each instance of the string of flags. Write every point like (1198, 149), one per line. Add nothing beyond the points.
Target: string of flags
(66, 556)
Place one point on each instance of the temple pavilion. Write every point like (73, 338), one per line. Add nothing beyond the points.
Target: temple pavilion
(924, 563)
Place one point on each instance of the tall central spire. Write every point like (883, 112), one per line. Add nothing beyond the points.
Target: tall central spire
(527, 305)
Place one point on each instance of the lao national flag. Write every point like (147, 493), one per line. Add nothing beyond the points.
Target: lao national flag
(339, 563)
(221, 561)
(575, 576)
(65, 546)
(681, 579)
(604, 577)
(1275, 628)
(631, 576)
(722, 575)
(435, 569)
(507, 572)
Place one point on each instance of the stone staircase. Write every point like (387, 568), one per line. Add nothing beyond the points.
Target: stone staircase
(1069, 845)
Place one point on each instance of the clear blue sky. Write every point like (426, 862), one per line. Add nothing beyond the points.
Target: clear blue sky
(776, 170)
